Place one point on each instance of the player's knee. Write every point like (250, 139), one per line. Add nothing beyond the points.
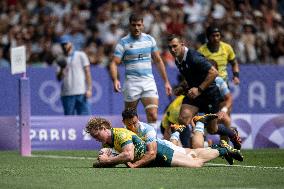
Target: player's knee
(197, 144)
(184, 119)
(212, 130)
(152, 116)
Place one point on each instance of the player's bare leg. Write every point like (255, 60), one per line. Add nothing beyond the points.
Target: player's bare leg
(151, 109)
(206, 154)
(182, 160)
(132, 104)
(198, 132)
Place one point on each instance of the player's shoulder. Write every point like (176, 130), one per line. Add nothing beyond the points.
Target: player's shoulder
(177, 101)
(225, 44)
(202, 48)
(219, 79)
(125, 39)
(79, 53)
(147, 37)
(120, 131)
(122, 134)
(145, 126)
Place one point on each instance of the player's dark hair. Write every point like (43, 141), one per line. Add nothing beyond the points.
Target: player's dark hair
(129, 113)
(212, 29)
(134, 17)
(173, 36)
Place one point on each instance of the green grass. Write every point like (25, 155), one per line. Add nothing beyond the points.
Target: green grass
(42, 172)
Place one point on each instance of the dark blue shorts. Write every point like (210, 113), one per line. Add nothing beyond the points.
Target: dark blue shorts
(207, 102)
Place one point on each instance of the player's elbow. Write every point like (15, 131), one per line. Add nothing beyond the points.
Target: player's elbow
(215, 73)
(129, 156)
(152, 154)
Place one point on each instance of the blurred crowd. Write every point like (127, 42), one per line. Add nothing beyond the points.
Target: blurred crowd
(255, 28)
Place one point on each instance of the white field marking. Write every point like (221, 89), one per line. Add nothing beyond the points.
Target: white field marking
(208, 164)
(245, 166)
(63, 157)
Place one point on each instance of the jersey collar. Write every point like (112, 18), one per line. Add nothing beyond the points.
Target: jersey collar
(184, 55)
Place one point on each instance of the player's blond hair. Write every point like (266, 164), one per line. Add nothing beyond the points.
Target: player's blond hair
(97, 123)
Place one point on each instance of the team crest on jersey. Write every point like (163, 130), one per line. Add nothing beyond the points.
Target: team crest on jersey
(165, 157)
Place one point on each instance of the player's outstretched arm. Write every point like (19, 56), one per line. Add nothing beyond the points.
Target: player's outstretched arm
(236, 70)
(127, 155)
(114, 73)
(149, 156)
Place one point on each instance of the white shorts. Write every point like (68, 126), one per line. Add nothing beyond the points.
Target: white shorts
(173, 146)
(137, 88)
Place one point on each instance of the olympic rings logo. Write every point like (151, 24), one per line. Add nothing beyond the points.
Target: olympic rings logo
(49, 93)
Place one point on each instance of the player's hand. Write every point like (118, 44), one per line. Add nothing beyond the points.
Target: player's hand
(193, 93)
(116, 85)
(103, 158)
(221, 115)
(88, 93)
(130, 165)
(168, 88)
(192, 123)
(236, 80)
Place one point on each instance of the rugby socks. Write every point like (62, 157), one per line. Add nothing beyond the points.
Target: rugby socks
(199, 126)
(223, 130)
(185, 137)
(222, 151)
(175, 136)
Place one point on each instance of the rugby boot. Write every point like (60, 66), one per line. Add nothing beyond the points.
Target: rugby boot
(205, 118)
(236, 139)
(234, 153)
(228, 158)
(177, 127)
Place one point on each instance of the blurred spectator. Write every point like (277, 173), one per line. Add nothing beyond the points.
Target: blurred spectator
(249, 40)
(112, 35)
(158, 28)
(74, 72)
(3, 61)
(39, 23)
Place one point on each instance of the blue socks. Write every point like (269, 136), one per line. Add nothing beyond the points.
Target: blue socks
(223, 130)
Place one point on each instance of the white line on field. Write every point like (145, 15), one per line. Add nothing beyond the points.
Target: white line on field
(208, 164)
(245, 166)
(63, 157)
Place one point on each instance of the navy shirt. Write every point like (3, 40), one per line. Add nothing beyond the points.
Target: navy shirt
(194, 68)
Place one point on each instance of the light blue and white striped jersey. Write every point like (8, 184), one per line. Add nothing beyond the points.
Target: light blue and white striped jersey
(136, 55)
(146, 132)
(222, 85)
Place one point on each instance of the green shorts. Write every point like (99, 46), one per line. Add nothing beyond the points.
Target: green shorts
(164, 156)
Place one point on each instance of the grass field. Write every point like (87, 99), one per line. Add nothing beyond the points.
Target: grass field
(72, 169)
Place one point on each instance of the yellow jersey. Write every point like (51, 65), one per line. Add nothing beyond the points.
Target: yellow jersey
(122, 137)
(224, 54)
(172, 113)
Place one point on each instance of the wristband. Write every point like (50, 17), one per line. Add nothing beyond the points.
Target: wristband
(236, 74)
(200, 90)
(224, 109)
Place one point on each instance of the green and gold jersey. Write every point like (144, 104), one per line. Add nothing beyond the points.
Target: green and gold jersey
(172, 113)
(122, 137)
(224, 55)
